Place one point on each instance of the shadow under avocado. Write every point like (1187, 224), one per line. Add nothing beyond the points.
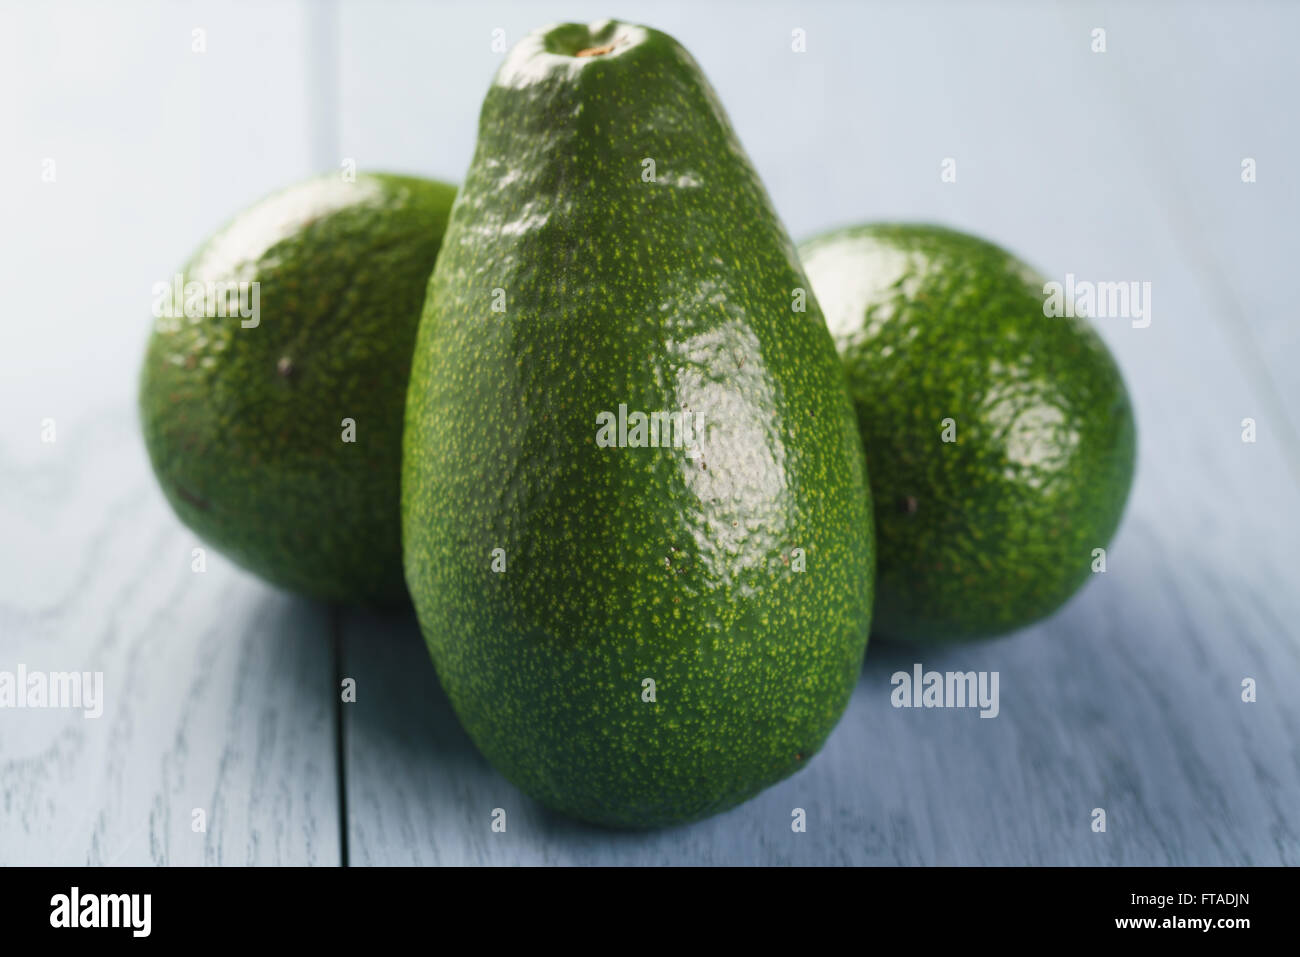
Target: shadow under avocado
(885, 657)
(400, 699)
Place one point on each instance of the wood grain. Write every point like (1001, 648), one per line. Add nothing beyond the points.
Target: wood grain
(1130, 698)
(218, 690)
(222, 692)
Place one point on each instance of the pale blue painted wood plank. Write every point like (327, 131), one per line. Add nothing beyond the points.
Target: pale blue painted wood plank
(1209, 87)
(1129, 699)
(219, 691)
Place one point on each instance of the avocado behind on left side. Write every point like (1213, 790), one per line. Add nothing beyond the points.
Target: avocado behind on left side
(634, 630)
(277, 437)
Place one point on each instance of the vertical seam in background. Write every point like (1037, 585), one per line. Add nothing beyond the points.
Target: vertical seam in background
(340, 741)
(323, 55)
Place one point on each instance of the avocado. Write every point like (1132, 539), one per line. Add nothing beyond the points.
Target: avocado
(272, 411)
(1000, 442)
(637, 527)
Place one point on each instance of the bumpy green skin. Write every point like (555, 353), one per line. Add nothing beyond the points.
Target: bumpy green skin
(996, 530)
(244, 425)
(626, 564)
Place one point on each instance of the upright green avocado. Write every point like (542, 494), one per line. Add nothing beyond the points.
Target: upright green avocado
(637, 526)
(1000, 441)
(273, 411)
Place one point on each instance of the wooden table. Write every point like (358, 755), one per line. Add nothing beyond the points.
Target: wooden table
(221, 693)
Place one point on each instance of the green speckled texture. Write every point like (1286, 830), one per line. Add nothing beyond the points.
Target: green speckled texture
(996, 530)
(244, 425)
(630, 563)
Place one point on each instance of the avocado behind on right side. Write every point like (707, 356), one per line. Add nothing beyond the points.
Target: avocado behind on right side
(1000, 441)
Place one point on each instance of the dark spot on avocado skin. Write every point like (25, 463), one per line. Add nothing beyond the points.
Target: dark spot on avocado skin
(665, 296)
(1046, 442)
(342, 273)
(200, 503)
